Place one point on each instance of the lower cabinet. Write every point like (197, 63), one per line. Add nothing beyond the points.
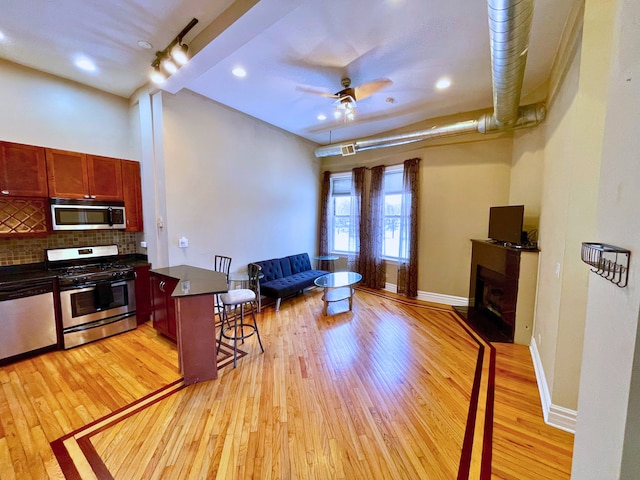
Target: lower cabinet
(143, 295)
(163, 309)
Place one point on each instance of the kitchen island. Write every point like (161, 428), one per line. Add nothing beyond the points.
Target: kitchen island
(196, 337)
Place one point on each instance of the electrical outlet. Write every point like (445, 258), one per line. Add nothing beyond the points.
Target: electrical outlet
(183, 242)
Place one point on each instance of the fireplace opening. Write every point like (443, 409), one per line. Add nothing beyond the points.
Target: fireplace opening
(493, 298)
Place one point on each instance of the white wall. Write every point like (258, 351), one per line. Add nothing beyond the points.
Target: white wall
(40, 109)
(234, 185)
(607, 443)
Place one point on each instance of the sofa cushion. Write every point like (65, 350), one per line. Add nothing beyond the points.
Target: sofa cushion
(271, 269)
(285, 265)
(283, 287)
(300, 262)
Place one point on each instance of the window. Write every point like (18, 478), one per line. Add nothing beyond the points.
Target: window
(392, 207)
(339, 215)
(340, 240)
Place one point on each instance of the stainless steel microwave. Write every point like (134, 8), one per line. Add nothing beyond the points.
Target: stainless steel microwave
(69, 214)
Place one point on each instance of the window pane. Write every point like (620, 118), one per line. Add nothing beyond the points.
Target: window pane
(393, 181)
(342, 205)
(341, 235)
(392, 204)
(341, 221)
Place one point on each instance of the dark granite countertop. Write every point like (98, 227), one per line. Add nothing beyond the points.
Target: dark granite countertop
(194, 280)
(33, 273)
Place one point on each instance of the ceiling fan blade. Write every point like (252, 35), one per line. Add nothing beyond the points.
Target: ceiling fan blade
(369, 88)
(316, 91)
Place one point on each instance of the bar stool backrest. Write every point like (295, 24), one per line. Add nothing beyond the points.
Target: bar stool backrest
(222, 264)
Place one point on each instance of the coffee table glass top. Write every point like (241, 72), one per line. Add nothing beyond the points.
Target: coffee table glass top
(338, 279)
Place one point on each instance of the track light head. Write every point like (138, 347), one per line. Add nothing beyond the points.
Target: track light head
(179, 54)
(157, 76)
(168, 66)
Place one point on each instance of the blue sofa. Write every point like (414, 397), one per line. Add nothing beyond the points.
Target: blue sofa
(287, 276)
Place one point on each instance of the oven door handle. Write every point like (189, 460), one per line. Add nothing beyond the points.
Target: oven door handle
(92, 286)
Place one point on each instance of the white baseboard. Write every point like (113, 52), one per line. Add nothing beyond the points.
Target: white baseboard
(554, 415)
(433, 297)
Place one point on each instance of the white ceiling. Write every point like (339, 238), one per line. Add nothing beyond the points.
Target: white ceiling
(287, 47)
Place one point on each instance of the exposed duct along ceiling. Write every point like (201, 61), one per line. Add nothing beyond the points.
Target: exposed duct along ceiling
(509, 27)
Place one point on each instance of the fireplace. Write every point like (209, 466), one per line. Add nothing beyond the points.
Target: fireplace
(494, 299)
(501, 292)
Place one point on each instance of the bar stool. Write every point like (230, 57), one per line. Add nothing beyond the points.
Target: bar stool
(221, 264)
(235, 329)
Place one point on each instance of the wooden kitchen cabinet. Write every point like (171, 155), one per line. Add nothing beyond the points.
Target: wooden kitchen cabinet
(163, 309)
(132, 190)
(105, 177)
(78, 175)
(23, 170)
(143, 294)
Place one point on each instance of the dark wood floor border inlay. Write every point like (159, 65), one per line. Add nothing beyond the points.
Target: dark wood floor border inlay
(82, 436)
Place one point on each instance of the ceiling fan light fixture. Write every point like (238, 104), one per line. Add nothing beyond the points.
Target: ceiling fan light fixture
(345, 107)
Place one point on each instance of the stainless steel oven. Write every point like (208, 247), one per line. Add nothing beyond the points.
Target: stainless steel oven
(97, 294)
(94, 311)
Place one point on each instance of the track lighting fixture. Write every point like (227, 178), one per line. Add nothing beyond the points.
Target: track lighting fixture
(169, 60)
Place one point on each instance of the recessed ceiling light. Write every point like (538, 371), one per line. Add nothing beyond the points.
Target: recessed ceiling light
(2, 36)
(322, 116)
(443, 83)
(239, 72)
(85, 64)
(144, 44)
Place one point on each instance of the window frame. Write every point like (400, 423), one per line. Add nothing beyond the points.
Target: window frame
(332, 214)
(395, 169)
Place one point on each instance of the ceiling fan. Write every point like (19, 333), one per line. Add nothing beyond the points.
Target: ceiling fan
(345, 103)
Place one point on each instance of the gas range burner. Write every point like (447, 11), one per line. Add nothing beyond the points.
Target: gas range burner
(83, 274)
(89, 265)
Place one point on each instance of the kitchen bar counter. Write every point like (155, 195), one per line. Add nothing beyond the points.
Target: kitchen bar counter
(194, 300)
(194, 280)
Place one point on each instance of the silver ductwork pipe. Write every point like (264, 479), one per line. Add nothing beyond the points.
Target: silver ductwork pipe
(509, 26)
(529, 116)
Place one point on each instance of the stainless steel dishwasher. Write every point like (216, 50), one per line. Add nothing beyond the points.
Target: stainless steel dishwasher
(27, 317)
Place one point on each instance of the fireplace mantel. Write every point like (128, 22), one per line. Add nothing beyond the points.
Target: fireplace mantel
(502, 288)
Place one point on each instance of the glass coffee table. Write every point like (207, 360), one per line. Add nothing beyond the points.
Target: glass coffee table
(337, 286)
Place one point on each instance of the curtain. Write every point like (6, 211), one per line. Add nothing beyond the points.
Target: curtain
(372, 265)
(323, 231)
(355, 218)
(408, 258)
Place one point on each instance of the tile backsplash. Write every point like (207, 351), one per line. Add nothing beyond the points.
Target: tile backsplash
(17, 251)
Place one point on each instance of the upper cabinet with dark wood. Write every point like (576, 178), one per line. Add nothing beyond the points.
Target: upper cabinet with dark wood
(78, 175)
(132, 189)
(23, 170)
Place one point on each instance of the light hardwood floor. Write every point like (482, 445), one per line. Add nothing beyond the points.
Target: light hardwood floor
(393, 389)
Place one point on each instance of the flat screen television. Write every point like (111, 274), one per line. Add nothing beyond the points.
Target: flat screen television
(505, 223)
